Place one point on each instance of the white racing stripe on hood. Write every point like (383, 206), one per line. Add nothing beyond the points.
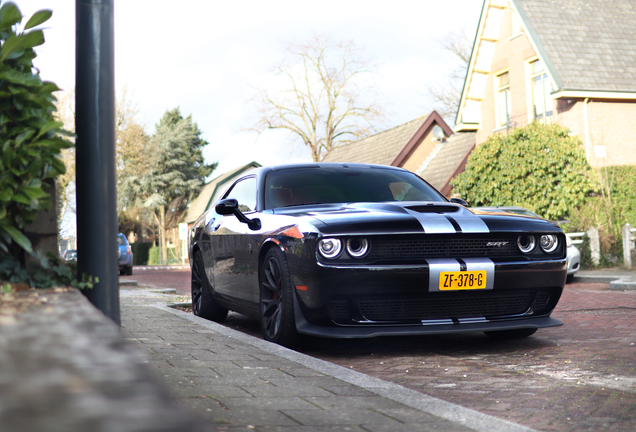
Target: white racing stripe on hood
(470, 224)
(433, 223)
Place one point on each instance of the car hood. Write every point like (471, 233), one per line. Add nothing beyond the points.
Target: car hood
(409, 218)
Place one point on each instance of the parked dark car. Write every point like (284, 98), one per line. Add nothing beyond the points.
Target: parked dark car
(125, 256)
(351, 250)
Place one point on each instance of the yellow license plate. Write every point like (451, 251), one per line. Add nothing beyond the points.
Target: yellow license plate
(462, 280)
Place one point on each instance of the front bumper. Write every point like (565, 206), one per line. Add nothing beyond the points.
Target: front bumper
(369, 302)
(462, 326)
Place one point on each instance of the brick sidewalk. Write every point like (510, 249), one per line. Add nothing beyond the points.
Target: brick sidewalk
(578, 377)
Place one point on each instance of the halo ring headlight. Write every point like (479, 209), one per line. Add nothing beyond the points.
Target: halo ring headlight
(549, 243)
(357, 247)
(526, 243)
(330, 247)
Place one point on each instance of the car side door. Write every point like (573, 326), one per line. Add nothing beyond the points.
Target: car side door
(236, 266)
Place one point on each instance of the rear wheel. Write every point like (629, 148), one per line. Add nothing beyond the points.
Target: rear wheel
(511, 334)
(276, 300)
(203, 304)
(129, 270)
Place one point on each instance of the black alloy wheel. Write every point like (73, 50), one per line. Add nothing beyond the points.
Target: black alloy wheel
(511, 334)
(276, 300)
(203, 303)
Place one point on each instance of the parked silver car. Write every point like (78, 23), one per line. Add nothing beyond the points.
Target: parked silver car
(574, 256)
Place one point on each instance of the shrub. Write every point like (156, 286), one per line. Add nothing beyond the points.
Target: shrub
(538, 167)
(140, 252)
(608, 211)
(30, 138)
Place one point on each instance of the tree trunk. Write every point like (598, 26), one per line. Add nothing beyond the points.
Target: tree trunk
(162, 229)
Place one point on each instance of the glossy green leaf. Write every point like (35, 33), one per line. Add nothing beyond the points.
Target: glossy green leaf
(17, 237)
(20, 198)
(9, 15)
(6, 194)
(38, 18)
(32, 39)
(33, 193)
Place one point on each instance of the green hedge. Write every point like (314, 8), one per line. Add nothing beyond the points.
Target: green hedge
(153, 256)
(140, 252)
(538, 167)
(30, 138)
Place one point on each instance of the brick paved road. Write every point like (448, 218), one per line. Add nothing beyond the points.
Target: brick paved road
(579, 377)
(178, 278)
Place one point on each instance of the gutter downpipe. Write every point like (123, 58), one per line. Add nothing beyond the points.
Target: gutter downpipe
(587, 130)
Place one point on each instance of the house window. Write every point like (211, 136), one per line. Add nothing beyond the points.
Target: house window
(541, 88)
(503, 100)
(516, 26)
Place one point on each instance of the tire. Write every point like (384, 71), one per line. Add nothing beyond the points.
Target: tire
(276, 300)
(122, 272)
(129, 270)
(511, 334)
(569, 278)
(203, 303)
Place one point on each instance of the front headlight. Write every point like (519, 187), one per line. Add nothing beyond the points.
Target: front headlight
(526, 243)
(549, 243)
(357, 247)
(330, 247)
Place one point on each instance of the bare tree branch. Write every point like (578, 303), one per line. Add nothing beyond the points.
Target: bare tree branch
(327, 101)
(446, 93)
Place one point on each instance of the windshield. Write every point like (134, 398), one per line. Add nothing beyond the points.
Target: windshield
(294, 187)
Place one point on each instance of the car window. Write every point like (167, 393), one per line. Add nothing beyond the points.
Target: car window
(121, 241)
(245, 193)
(344, 185)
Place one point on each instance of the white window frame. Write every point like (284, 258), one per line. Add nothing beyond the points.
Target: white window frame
(502, 89)
(547, 109)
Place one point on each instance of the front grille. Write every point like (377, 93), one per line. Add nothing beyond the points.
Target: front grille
(447, 305)
(542, 301)
(435, 306)
(434, 208)
(339, 310)
(441, 246)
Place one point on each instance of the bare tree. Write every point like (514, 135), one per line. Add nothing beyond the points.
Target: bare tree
(328, 97)
(446, 93)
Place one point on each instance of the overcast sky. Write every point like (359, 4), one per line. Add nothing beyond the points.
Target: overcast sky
(205, 56)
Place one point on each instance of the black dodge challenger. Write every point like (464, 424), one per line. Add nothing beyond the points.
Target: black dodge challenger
(353, 251)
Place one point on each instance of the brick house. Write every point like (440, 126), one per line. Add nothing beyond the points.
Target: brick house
(413, 146)
(570, 62)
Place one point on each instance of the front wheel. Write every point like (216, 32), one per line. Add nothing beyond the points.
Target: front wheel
(203, 304)
(276, 300)
(511, 334)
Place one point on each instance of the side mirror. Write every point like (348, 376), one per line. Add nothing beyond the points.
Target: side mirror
(459, 201)
(230, 206)
(226, 207)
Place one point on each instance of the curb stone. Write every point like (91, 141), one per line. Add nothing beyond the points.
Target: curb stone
(616, 282)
